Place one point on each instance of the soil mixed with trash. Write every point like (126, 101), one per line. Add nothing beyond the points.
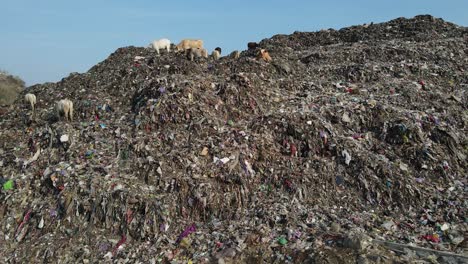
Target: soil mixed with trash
(346, 142)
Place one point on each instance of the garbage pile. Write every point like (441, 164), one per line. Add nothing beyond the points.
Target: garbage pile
(345, 139)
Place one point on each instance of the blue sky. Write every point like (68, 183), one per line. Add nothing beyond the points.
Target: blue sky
(46, 40)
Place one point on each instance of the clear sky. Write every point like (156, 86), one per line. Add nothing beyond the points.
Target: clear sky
(45, 40)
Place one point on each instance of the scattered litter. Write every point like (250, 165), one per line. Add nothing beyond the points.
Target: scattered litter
(349, 134)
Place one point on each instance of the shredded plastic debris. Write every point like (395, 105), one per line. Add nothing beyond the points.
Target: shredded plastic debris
(345, 137)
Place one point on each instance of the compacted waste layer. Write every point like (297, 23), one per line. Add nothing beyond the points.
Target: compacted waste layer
(345, 138)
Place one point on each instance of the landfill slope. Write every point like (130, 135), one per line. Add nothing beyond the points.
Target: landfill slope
(347, 135)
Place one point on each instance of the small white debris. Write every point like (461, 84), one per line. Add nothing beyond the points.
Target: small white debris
(64, 138)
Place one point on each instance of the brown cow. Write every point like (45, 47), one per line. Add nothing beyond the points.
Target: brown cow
(189, 44)
(263, 54)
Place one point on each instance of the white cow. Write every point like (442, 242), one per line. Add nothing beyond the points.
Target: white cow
(30, 98)
(65, 106)
(215, 54)
(161, 44)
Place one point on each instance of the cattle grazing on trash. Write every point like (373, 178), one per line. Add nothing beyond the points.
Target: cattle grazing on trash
(161, 44)
(65, 107)
(196, 53)
(263, 54)
(216, 55)
(31, 98)
(186, 44)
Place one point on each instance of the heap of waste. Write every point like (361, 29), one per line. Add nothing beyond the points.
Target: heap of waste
(347, 138)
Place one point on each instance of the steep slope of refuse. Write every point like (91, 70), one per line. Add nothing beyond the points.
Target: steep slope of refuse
(359, 129)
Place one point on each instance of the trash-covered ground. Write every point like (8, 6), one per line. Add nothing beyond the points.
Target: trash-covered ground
(349, 147)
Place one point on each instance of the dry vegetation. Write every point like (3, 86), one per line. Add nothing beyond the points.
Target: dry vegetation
(10, 87)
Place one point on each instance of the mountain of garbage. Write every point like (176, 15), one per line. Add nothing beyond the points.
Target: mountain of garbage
(348, 144)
